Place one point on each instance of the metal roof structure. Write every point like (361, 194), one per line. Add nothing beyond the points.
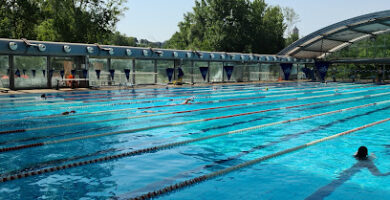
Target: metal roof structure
(339, 35)
(25, 47)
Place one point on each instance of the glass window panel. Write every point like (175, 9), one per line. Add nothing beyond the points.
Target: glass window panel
(144, 71)
(98, 64)
(120, 65)
(32, 70)
(4, 76)
(162, 66)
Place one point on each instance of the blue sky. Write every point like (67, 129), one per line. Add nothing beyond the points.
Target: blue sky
(156, 20)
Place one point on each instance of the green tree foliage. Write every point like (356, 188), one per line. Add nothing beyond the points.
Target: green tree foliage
(372, 47)
(231, 25)
(87, 21)
(292, 38)
(122, 40)
(291, 19)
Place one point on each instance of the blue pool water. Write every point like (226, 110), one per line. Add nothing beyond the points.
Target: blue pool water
(243, 122)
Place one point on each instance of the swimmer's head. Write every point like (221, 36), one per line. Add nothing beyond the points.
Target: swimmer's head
(362, 153)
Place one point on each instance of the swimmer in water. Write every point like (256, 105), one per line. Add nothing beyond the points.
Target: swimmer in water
(43, 96)
(189, 100)
(148, 111)
(363, 161)
(67, 113)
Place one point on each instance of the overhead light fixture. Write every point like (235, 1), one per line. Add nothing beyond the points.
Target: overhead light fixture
(13, 46)
(128, 52)
(67, 48)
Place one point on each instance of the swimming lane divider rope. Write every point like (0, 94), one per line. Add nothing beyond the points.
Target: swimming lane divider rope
(193, 121)
(75, 93)
(233, 93)
(154, 101)
(91, 92)
(300, 91)
(127, 109)
(283, 138)
(212, 175)
(228, 91)
(130, 94)
(142, 91)
(176, 144)
(6, 149)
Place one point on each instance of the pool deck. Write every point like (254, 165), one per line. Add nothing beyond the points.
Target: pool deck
(40, 91)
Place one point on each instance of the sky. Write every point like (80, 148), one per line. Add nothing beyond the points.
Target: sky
(157, 20)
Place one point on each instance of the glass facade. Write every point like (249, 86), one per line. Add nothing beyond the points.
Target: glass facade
(38, 72)
(4, 74)
(98, 72)
(30, 72)
(120, 67)
(197, 74)
(145, 72)
(216, 71)
(188, 71)
(162, 66)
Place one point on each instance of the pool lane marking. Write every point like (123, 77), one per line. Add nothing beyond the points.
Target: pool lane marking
(91, 92)
(284, 138)
(180, 143)
(141, 91)
(203, 130)
(104, 99)
(6, 149)
(153, 101)
(241, 153)
(246, 94)
(127, 109)
(212, 175)
(123, 103)
(130, 94)
(158, 114)
(195, 121)
(178, 97)
(153, 93)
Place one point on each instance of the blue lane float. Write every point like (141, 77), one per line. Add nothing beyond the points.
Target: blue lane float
(204, 71)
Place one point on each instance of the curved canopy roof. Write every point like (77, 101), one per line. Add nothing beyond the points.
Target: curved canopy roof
(339, 35)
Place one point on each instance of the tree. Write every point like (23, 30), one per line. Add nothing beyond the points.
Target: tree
(18, 18)
(231, 25)
(122, 40)
(87, 21)
(294, 36)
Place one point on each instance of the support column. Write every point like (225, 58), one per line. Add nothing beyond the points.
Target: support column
(208, 72)
(109, 81)
(223, 72)
(259, 71)
(242, 71)
(86, 64)
(11, 72)
(155, 71)
(48, 68)
(192, 72)
(383, 73)
(133, 70)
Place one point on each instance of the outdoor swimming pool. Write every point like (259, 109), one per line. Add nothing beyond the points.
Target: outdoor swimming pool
(229, 143)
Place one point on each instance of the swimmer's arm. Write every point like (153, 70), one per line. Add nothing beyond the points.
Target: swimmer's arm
(375, 171)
